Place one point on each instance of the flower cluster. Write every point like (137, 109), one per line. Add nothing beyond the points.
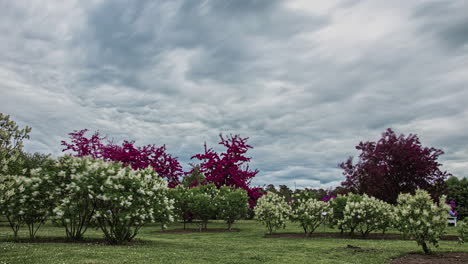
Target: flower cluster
(273, 211)
(419, 217)
(310, 213)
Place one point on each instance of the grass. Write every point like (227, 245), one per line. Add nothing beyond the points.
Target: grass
(246, 246)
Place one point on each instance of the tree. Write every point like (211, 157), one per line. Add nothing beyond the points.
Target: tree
(457, 190)
(231, 167)
(164, 164)
(232, 204)
(11, 142)
(193, 178)
(393, 165)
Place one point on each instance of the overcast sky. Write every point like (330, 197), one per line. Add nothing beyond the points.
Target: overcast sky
(305, 80)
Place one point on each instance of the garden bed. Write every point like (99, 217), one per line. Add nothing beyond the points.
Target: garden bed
(439, 258)
(195, 230)
(375, 236)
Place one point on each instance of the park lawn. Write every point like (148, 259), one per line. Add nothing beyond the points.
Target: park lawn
(246, 246)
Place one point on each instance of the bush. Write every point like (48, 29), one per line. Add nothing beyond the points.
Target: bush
(365, 214)
(273, 211)
(26, 200)
(310, 213)
(76, 184)
(463, 232)
(338, 206)
(419, 217)
(202, 203)
(181, 196)
(233, 204)
(128, 199)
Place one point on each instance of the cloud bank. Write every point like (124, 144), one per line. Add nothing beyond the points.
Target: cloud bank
(305, 80)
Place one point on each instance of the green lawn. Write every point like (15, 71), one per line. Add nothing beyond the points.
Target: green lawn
(246, 246)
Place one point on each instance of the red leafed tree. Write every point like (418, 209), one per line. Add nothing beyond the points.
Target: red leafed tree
(394, 165)
(164, 164)
(231, 167)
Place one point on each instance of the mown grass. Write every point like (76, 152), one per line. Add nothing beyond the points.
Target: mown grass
(246, 246)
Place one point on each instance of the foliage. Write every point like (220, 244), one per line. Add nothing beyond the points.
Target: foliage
(463, 232)
(77, 183)
(181, 197)
(128, 199)
(128, 154)
(457, 190)
(273, 211)
(310, 213)
(419, 217)
(366, 215)
(11, 142)
(393, 165)
(231, 167)
(202, 203)
(338, 206)
(232, 204)
(193, 178)
(26, 201)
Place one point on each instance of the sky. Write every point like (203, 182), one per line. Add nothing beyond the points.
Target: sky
(304, 80)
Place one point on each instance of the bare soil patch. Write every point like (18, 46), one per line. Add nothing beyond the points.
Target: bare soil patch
(195, 230)
(440, 258)
(375, 236)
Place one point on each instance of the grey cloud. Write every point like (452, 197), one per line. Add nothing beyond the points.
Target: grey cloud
(306, 84)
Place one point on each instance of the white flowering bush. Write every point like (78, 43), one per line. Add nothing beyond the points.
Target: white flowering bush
(128, 199)
(232, 203)
(26, 200)
(203, 204)
(117, 199)
(417, 216)
(273, 211)
(310, 213)
(366, 215)
(76, 185)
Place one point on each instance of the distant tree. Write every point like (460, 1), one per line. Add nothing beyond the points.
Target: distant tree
(285, 192)
(271, 188)
(193, 178)
(164, 164)
(394, 165)
(230, 168)
(11, 142)
(457, 190)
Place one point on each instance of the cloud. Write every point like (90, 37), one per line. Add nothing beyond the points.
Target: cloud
(306, 81)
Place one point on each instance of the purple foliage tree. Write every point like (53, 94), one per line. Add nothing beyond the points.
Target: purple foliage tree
(231, 167)
(394, 165)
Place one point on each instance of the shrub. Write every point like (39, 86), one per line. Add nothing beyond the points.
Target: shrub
(232, 204)
(463, 232)
(26, 201)
(310, 213)
(202, 203)
(128, 199)
(76, 184)
(338, 205)
(419, 217)
(181, 196)
(273, 211)
(366, 215)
